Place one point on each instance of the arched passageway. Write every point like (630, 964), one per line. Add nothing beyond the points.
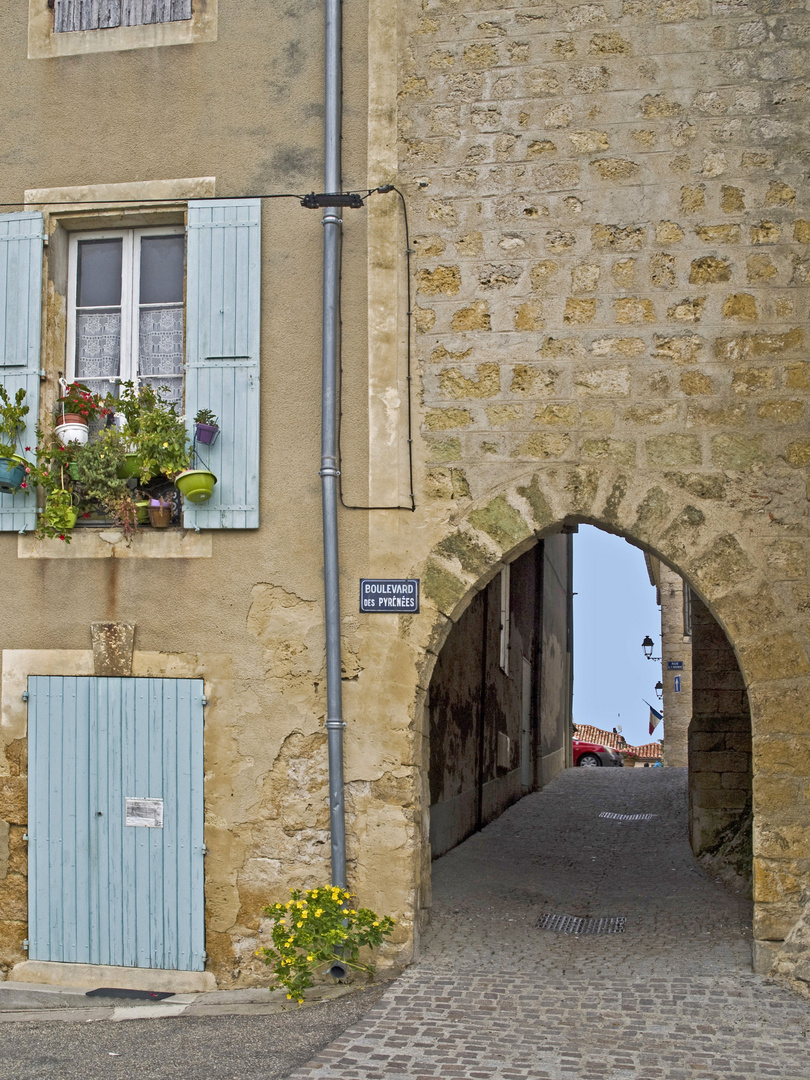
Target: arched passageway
(501, 721)
(736, 577)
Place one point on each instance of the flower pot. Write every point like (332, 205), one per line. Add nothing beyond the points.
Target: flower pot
(131, 466)
(72, 428)
(142, 512)
(12, 474)
(207, 433)
(196, 485)
(160, 517)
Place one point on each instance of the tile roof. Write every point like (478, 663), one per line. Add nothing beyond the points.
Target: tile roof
(589, 733)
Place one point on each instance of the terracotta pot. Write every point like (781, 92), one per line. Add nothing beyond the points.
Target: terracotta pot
(160, 517)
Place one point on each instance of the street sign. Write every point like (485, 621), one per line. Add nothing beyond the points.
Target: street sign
(677, 684)
(674, 665)
(389, 595)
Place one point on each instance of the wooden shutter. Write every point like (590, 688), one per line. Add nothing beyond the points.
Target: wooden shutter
(102, 14)
(20, 320)
(222, 354)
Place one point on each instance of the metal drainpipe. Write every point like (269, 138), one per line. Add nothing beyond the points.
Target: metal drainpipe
(332, 240)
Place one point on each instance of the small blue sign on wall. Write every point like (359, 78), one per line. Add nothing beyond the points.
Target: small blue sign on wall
(674, 665)
(677, 684)
(389, 595)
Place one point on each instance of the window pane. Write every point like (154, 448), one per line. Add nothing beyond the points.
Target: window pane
(98, 347)
(99, 275)
(160, 348)
(162, 259)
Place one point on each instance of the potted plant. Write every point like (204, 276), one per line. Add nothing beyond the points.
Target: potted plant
(99, 484)
(13, 412)
(207, 426)
(153, 434)
(59, 515)
(160, 512)
(77, 406)
(196, 485)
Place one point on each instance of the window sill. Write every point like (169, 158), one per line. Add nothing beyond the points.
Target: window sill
(44, 43)
(110, 544)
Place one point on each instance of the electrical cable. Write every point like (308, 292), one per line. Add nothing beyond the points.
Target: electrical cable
(383, 190)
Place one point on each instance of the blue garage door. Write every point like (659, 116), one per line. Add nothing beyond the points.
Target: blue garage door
(115, 821)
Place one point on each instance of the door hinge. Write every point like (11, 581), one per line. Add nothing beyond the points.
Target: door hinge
(204, 955)
(204, 700)
(204, 850)
(25, 695)
(25, 944)
(26, 836)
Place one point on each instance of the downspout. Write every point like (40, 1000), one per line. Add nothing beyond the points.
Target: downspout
(332, 242)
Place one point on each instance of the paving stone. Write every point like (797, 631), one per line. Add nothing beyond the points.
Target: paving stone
(673, 998)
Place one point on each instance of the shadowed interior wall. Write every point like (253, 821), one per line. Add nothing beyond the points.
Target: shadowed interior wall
(476, 705)
(720, 771)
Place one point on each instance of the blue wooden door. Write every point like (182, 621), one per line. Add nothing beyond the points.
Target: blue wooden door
(115, 821)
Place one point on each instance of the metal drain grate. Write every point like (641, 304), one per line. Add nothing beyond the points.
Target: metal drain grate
(571, 924)
(627, 817)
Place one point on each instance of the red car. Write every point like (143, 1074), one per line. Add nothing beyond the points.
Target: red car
(593, 755)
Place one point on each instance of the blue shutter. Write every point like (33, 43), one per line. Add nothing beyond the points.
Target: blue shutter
(102, 891)
(222, 354)
(20, 318)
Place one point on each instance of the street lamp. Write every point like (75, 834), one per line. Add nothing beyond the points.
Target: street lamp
(659, 690)
(648, 645)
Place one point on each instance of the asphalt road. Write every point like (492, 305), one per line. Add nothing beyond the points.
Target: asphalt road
(188, 1047)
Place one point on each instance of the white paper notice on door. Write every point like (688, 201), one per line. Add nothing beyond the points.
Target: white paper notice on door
(144, 812)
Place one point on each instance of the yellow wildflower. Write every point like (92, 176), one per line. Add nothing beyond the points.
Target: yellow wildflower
(289, 997)
(299, 924)
(310, 958)
(375, 924)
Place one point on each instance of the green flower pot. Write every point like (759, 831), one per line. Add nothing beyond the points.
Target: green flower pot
(131, 467)
(196, 485)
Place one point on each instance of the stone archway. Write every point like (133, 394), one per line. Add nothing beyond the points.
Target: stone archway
(733, 558)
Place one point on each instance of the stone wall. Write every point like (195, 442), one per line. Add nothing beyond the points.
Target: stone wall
(676, 646)
(719, 739)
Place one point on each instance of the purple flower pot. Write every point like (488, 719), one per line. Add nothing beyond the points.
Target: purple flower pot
(207, 433)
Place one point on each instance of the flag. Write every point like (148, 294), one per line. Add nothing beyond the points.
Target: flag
(655, 716)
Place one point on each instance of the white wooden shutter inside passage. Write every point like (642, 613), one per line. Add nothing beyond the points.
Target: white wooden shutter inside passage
(20, 321)
(223, 272)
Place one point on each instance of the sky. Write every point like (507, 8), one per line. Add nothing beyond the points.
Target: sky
(614, 609)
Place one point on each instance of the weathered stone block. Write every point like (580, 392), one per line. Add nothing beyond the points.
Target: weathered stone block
(780, 656)
(732, 199)
(618, 237)
(718, 234)
(444, 449)
(767, 232)
(780, 194)
(668, 232)
(724, 564)
(709, 270)
(689, 309)
(542, 273)
(752, 380)
(487, 382)
(798, 453)
(608, 382)
(741, 306)
(610, 449)
(719, 416)
(503, 415)
(529, 380)
(474, 317)
(565, 415)
(444, 419)
(579, 310)
(695, 382)
(693, 197)
(624, 273)
(632, 310)
(623, 346)
(14, 799)
(500, 520)
(541, 446)
(759, 268)
(589, 142)
(585, 277)
(539, 148)
(781, 412)
(669, 450)
(529, 316)
(614, 168)
(738, 452)
(443, 280)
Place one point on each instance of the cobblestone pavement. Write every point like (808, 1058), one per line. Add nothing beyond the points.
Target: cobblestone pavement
(494, 996)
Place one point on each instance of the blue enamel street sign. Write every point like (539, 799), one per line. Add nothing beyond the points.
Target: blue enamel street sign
(674, 665)
(677, 684)
(389, 595)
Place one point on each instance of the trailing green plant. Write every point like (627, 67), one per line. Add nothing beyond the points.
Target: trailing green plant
(205, 416)
(58, 516)
(319, 926)
(13, 412)
(97, 466)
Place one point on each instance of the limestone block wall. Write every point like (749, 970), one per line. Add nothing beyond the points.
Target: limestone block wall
(612, 251)
(719, 737)
(677, 646)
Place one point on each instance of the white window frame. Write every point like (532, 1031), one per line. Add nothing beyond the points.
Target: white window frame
(130, 277)
(505, 616)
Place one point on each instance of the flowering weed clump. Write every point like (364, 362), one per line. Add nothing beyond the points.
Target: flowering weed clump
(319, 926)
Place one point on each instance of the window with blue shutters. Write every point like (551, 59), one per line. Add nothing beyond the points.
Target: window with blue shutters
(20, 317)
(133, 322)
